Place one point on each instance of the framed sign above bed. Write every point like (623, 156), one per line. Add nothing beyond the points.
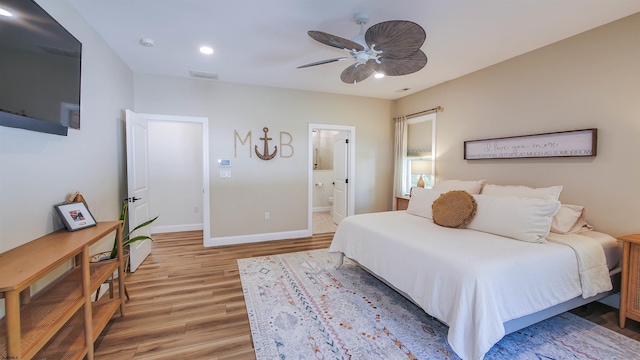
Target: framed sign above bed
(575, 143)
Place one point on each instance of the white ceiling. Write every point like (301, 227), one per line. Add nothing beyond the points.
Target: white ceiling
(262, 42)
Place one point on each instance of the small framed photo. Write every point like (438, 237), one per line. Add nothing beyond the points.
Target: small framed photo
(75, 215)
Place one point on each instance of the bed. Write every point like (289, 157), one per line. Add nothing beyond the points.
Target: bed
(482, 285)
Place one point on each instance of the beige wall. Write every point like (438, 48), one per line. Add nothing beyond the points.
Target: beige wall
(278, 186)
(38, 170)
(175, 175)
(590, 80)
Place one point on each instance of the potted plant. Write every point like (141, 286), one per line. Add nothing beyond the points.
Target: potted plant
(129, 239)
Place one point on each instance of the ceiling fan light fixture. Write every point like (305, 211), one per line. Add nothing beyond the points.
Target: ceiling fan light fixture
(378, 75)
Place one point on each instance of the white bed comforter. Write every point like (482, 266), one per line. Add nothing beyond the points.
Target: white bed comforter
(470, 280)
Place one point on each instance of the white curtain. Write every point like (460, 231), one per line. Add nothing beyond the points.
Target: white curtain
(399, 155)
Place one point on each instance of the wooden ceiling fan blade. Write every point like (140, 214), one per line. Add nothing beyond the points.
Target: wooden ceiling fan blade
(355, 74)
(321, 62)
(405, 66)
(334, 41)
(397, 39)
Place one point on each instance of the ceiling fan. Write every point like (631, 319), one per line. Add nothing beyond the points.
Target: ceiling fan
(391, 48)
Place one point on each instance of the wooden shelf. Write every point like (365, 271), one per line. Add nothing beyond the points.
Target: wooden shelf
(101, 271)
(46, 313)
(68, 343)
(102, 313)
(51, 325)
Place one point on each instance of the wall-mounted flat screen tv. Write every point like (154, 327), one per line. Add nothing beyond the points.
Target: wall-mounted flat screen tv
(39, 70)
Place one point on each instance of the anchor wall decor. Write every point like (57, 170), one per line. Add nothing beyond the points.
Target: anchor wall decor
(266, 155)
(286, 146)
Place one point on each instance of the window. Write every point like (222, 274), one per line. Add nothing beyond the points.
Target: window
(414, 152)
(419, 159)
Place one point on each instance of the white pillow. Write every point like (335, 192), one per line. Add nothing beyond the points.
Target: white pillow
(548, 193)
(518, 218)
(570, 220)
(421, 201)
(470, 186)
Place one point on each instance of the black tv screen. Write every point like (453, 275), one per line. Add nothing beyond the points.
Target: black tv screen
(39, 70)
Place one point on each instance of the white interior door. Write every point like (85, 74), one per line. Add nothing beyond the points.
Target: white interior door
(137, 184)
(340, 180)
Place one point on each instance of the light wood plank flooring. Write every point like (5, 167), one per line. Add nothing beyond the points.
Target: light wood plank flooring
(187, 302)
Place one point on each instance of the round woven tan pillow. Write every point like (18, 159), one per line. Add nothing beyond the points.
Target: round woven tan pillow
(454, 209)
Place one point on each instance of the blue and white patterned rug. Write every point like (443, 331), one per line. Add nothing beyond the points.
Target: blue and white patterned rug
(300, 307)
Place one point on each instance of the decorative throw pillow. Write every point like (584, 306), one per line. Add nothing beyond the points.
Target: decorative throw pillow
(570, 220)
(547, 193)
(421, 201)
(524, 219)
(454, 209)
(470, 186)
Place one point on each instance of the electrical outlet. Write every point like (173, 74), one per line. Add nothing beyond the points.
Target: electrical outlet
(267, 216)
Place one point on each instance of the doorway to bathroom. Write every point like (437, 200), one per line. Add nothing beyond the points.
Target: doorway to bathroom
(331, 180)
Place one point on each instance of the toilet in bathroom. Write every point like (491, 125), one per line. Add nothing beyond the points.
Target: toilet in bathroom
(331, 204)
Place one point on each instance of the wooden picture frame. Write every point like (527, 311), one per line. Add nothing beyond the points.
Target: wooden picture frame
(75, 215)
(574, 143)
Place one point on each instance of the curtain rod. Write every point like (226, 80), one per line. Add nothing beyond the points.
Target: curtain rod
(410, 116)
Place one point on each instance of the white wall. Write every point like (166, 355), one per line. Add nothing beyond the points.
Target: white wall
(278, 186)
(588, 81)
(38, 170)
(175, 175)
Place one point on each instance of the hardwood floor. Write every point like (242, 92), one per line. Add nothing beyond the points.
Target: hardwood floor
(187, 302)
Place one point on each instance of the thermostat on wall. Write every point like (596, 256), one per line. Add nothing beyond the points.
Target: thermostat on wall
(224, 163)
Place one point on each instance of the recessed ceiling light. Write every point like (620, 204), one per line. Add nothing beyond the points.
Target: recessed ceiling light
(379, 75)
(6, 13)
(206, 50)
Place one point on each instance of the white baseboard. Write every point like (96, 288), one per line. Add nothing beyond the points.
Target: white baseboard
(175, 228)
(245, 239)
(321, 208)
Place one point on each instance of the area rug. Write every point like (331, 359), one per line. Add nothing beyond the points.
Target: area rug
(300, 307)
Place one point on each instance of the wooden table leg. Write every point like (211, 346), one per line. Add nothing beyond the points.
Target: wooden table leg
(624, 283)
(12, 307)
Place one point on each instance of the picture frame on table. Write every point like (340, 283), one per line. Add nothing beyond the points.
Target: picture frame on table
(75, 215)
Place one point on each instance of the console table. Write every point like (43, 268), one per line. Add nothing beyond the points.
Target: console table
(59, 322)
